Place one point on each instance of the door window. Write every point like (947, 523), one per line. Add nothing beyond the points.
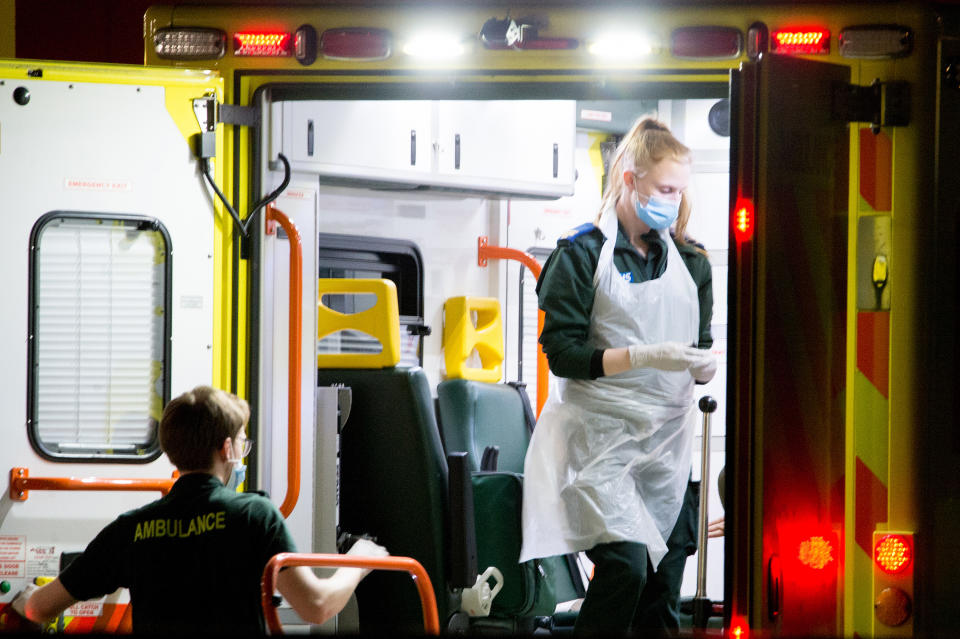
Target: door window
(99, 336)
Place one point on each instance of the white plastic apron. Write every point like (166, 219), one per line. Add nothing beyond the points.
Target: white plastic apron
(610, 457)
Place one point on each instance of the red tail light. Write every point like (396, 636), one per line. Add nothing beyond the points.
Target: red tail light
(743, 220)
(800, 41)
(356, 43)
(706, 42)
(261, 44)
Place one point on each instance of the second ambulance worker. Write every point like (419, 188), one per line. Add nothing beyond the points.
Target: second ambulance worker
(628, 310)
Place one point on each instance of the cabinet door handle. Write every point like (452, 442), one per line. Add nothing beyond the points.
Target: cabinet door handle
(413, 147)
(310, 137)
(556, 160)
(456, 151)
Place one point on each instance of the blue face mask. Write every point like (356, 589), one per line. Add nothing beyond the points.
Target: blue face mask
(658, 213)
(237, 476)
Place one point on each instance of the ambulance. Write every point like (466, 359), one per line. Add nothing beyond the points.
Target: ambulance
(340, 213)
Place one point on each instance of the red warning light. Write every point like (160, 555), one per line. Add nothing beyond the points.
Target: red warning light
(743, 220)
(893, 553)
(800, 41)
(261, 44)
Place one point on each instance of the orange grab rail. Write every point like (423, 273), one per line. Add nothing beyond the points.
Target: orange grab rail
(21, 483)
(294, 357)
(431, 618)
(485, 252)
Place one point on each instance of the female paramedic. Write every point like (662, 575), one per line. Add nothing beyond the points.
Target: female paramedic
(628, 311)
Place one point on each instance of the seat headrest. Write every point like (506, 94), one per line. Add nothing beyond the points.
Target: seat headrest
(461, 337)
(381, 322)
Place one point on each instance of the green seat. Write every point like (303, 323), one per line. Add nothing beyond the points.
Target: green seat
(473, 416)
(393, 485)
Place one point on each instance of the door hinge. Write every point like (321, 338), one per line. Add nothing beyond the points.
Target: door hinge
(880, 103)
(239, 115)
(209, 113)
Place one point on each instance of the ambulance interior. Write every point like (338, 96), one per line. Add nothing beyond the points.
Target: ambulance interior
(343, 190)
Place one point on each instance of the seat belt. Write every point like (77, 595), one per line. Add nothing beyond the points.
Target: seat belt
(531, 419)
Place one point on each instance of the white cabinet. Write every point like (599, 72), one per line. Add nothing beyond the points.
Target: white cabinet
(523, 146)
(357, 139)
(507, 147)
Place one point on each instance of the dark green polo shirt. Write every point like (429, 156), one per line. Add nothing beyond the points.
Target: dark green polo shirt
(565, 293)
(192, 560)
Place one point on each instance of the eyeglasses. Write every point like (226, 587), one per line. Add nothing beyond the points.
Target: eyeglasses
(247, 447)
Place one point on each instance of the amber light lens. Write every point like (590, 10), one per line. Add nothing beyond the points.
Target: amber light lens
(893, 553)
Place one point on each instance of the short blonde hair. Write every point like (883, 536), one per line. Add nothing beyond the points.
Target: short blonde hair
(195, 425)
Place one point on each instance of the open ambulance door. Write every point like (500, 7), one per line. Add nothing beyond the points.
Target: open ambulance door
(787, 347)
(108, 261)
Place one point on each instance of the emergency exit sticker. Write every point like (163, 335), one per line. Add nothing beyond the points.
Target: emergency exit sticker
(108, 186)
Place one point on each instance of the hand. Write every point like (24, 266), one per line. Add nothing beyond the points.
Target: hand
(19, 603)
(705, 368)
(367, 548)
(716, 527)
(665, 356)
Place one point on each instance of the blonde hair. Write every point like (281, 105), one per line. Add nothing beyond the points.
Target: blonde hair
(195, 425)
(648, 142)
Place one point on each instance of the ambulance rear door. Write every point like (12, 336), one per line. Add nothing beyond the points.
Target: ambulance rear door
(787, 348)
(108, 301)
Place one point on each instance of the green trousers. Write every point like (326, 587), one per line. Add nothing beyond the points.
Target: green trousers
(626, 596)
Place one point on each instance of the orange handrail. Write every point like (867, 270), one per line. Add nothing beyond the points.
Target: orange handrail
(21, 483)
(431, 618)
(293, 358)
(485, 252)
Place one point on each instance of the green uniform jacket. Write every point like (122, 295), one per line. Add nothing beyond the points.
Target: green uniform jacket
(565, 293)
(192, 560)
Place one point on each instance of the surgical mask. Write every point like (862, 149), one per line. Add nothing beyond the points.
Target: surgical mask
(237, 475)
(659, 213)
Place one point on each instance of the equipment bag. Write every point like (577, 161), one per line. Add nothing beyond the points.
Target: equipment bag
(527, 588)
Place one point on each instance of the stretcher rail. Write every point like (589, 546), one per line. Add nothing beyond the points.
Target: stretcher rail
(21, 483)
(431, 618)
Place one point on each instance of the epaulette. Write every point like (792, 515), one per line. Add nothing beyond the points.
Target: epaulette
(689, 241)
(570, 236)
